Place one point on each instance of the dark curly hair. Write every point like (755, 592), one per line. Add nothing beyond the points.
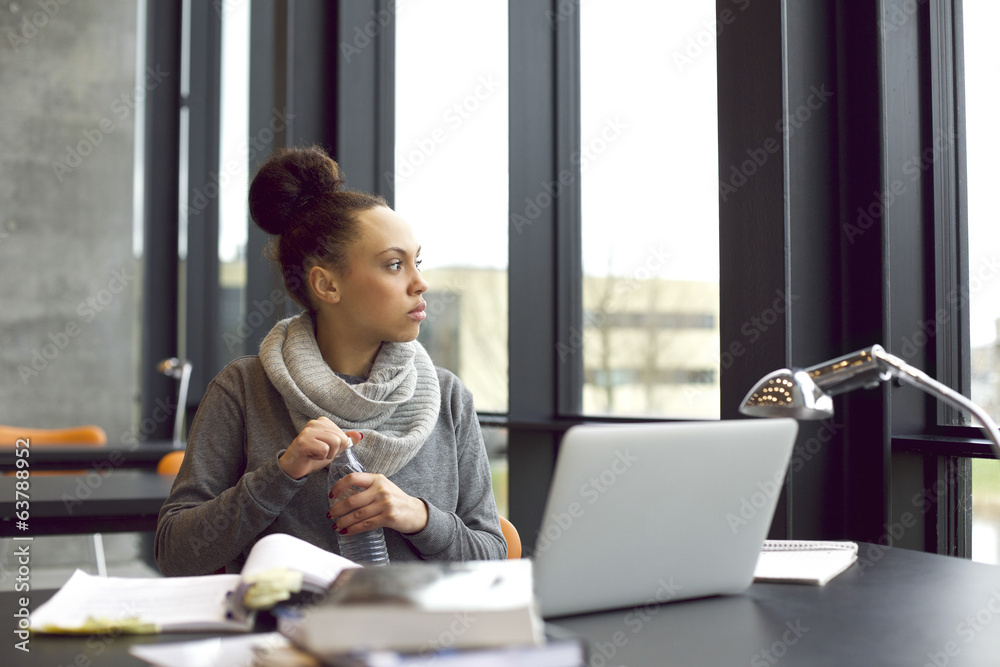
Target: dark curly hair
(298, 196)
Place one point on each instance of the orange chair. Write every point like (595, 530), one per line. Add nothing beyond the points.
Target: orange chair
(87, 436)
(170, 463)
(74, 435)
(513, 539)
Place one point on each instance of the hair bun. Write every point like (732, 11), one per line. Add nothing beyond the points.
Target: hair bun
(288, 183)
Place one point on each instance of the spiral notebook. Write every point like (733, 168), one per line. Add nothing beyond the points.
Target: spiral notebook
(803, 561)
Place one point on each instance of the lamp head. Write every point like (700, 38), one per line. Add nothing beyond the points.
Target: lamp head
(787, 393)
(805, 393)
(172, 367)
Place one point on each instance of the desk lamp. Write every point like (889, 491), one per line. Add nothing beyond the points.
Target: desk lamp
(179, 370)
(805, 393)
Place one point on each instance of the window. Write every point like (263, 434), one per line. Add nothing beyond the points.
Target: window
(650, 221)
(233, 179)
(450, 181)
(981, 59)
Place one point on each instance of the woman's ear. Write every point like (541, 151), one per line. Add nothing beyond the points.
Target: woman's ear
(324, 284)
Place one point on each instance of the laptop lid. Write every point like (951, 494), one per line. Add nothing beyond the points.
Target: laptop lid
(655, 512)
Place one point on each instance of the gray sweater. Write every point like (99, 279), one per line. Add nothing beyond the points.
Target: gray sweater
(230, 490)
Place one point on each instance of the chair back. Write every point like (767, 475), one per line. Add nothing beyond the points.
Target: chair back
(74, 435)
(170, 463)
(87, 435)
(513, 539)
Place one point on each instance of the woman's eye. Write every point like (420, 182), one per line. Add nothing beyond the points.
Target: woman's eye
(395, 266)
(418, 263)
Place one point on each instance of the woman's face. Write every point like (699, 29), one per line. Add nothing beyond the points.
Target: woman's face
(381, 287)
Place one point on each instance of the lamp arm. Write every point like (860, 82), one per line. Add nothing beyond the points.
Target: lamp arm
(182, 392)
(915, 377)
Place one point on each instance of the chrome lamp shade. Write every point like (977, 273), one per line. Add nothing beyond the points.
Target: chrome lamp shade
(806, 393)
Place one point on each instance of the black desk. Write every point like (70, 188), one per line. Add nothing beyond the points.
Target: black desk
(902, 608)
(89, 457)
(119, 501)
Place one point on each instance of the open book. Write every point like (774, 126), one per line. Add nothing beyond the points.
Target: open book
(803, 561)
(277, 566)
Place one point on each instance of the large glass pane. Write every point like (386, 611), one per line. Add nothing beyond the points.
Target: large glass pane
(450, 180)
(982, 60)
(650, 208)
(233, 178)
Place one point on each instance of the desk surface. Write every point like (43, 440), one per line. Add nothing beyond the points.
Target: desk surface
(118, 501)
(89, 457)
(895, 607)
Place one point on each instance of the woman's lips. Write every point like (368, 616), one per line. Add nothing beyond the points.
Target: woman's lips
(419, 313)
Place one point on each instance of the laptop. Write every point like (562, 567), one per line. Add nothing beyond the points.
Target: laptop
(646, 513)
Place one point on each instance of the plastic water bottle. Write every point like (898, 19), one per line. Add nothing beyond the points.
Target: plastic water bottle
(365, 548)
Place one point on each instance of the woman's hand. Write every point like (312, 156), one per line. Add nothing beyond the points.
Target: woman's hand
(315, 446)
(381, 504)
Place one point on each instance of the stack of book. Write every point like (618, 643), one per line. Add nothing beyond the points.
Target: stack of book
(471, 613)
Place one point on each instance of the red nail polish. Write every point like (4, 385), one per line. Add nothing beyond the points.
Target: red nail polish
(343, 532)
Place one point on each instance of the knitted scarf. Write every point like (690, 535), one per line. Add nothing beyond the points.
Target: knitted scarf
(396, 407)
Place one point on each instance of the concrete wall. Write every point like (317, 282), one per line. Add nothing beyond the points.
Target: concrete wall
(69, 282)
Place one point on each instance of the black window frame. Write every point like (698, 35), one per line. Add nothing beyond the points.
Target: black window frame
(835, 83)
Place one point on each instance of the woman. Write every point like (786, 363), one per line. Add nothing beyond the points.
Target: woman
(347, 371)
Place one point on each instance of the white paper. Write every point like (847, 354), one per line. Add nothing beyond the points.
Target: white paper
(318, 566)
(88, 602)
(238, 651)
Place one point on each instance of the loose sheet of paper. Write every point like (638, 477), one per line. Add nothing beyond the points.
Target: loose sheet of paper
(238, 651)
